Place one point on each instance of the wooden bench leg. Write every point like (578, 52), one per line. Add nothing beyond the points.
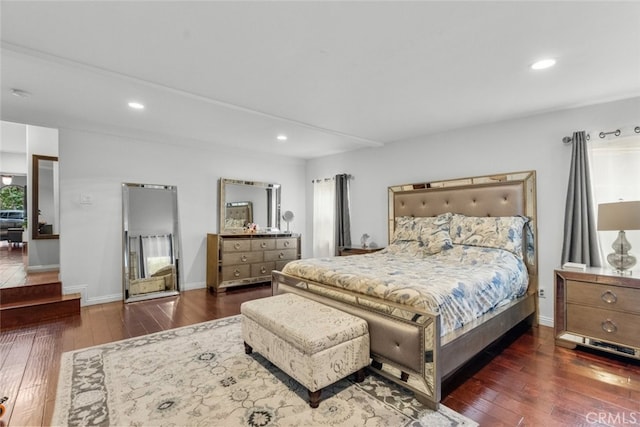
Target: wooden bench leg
(360, 375)
(314, 398)
(247, 348)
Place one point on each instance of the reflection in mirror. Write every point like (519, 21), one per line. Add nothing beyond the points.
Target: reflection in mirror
(151, 242)
(245, 202)
(45, 221)
(238, 214)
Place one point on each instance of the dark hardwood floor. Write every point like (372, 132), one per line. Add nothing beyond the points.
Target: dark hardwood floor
(523, 381)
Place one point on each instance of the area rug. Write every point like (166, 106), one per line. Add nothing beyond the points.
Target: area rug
(199, 375)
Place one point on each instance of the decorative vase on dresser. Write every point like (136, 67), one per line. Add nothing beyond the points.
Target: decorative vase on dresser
(242, 259)
(598, 308)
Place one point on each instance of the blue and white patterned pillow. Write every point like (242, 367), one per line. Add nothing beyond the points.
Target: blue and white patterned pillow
(501, 232)
(428, 235)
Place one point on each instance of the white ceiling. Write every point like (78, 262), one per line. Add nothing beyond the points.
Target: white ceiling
(332, 76)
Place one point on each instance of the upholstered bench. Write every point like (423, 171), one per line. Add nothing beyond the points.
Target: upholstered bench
(315, 344)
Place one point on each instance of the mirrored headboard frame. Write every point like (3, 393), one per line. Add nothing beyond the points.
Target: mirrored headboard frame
(273, 211)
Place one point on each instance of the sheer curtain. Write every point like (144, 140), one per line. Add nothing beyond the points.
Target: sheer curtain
(324, 198)
(156, 252)
(615, 173)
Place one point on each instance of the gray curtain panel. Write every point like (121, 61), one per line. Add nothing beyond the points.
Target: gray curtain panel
(343, 217)
(580, 242)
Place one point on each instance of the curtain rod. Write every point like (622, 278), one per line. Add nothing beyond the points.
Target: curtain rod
(349, 176)
(602, 135)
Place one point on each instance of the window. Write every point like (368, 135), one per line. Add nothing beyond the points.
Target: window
(615, 174)
(324, 199)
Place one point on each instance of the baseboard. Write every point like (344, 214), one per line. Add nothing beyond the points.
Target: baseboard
(105, 299)
(81, 289)
(193, 285)
(42, 268)
(545, 321)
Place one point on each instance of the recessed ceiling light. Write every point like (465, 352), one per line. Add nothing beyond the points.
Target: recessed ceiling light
(20, 93)
(282, 137)
(543, 63)
(136, 105)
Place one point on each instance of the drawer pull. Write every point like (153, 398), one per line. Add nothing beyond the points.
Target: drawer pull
(263, 270)
(609, 326)
(236, 273)
(263, 245)
(281, 255)
(609, 297)
(236, 245)
(286, 243)
(243, 258)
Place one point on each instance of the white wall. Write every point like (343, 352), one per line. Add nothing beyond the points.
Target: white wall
(96, 165)
(532, 143)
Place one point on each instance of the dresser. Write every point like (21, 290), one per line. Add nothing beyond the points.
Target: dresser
(242, 259)
(598, 308)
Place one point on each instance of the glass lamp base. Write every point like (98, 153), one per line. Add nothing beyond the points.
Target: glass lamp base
(620, 259)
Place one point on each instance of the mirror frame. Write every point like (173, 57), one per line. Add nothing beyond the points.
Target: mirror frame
(273, 211)
(35, 181)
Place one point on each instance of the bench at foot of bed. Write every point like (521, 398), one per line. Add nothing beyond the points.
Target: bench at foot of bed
(315, 344)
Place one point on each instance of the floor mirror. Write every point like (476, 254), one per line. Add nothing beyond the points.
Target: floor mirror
(151, 241)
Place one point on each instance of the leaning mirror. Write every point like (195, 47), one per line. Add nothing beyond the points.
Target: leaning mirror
(45, 218)
(151, 241)
(243, 203)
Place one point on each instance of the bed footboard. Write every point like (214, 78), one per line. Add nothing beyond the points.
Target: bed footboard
(405, 342)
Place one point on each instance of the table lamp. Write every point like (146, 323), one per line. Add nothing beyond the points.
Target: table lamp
(620, 216)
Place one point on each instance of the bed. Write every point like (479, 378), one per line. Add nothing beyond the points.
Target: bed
(415, 341)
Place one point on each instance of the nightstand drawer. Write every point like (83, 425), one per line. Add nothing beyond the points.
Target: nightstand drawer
(604, 296)
(613, 326)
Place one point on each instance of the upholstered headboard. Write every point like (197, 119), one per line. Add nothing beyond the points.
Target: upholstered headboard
(492, 195)
(238, 214)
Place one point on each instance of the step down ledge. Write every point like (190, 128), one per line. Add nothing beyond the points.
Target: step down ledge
(40, 301)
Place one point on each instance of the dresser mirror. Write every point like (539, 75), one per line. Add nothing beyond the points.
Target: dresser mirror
(242, 203)
(45, 221)
(151, 241)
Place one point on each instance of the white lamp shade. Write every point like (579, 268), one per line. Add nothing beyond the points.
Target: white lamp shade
(6, 180)
(619, 216)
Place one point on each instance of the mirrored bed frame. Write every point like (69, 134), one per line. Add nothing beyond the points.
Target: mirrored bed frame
(407, 346)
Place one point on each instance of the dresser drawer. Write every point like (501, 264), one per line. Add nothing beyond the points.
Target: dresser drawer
(236, 272)
(236, 245)
(284, 254)
(604, 296)
(263, 244)
(286, 243)
(607, 325)
(262, 269)
(241, 258)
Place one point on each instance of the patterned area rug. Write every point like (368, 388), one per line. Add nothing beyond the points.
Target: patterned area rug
(199, 376)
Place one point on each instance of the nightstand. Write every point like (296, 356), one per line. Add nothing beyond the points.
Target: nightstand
(345, 251)
(598, 308)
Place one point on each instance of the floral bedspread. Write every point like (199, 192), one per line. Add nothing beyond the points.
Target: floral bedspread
(461, 283)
